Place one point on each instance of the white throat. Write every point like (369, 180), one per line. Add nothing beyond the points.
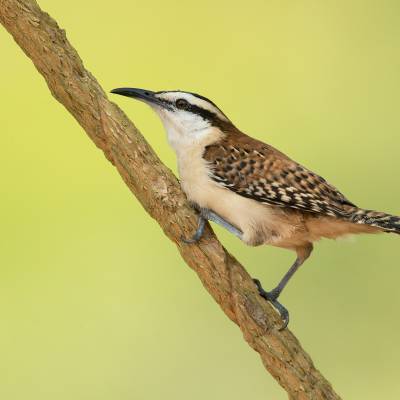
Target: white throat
(187, 131)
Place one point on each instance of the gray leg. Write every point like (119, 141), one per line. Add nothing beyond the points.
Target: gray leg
(212, 216)
(206, 214)
(273, 295)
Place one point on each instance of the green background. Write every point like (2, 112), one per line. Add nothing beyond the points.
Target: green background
(95, 303)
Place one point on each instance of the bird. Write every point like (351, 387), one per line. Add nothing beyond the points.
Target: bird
(252, 189)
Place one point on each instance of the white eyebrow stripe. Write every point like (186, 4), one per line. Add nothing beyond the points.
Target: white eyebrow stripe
(192, 99)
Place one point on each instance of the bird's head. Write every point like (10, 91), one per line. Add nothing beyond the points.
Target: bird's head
(187, 117)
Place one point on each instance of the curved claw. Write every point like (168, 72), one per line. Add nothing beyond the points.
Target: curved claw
(284, 313)
(271, 297)
(193, 239)
(198, 234)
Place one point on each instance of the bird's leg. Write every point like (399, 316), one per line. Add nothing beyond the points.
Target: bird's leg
(212, 216)
(207, 214)
(273, 295)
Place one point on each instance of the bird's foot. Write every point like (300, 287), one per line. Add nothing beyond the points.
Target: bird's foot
(208, 215)
(272, 298)
(199, 232)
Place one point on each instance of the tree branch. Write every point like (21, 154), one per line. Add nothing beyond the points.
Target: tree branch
(159, 192)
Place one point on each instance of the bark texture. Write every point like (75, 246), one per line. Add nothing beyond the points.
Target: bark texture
(159, 192)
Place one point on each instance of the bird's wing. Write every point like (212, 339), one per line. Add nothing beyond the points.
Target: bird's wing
(257, 171)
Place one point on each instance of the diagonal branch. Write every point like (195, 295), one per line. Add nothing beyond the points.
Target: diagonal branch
(159, 192)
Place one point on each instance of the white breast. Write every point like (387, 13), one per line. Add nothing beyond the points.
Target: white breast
(189, 134)
(258, 222)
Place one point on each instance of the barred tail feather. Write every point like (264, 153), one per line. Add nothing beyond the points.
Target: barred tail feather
(386, 222)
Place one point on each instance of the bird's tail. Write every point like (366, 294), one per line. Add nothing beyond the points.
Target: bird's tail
(386, 222)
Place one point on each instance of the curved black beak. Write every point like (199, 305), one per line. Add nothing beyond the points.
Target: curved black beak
(140, 94)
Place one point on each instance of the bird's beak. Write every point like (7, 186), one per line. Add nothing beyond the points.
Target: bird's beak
(146, 96)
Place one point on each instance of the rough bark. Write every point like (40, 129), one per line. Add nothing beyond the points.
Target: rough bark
(159, 192)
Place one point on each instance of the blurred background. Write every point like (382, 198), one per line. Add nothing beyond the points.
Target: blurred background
(96, 303)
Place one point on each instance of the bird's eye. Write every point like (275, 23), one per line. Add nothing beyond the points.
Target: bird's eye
(182, 104)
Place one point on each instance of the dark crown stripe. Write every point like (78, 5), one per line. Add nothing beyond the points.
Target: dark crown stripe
(199, 96)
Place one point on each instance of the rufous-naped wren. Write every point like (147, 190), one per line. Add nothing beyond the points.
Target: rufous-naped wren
(250, 188)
